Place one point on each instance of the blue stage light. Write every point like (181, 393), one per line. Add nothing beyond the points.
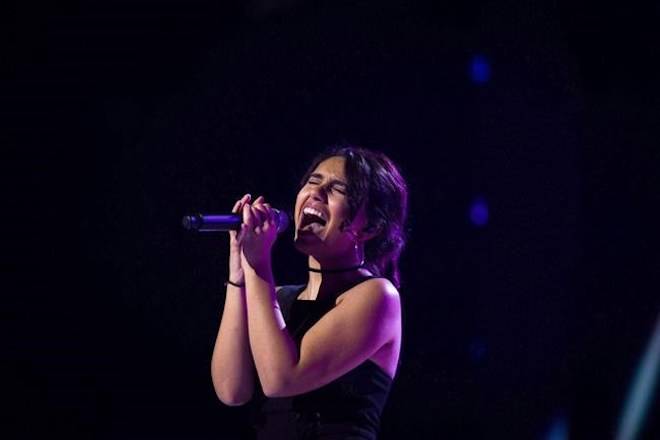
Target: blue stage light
(479, 69)
(479, 212)
(640, 396)
(478, 350)
(558, 429)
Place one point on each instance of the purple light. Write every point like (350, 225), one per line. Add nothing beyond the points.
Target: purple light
(479, 212)
(479, 69)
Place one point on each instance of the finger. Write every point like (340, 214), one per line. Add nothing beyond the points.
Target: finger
(259, 215)
(270, 211)
(248, 216)
(267, 211)
(239, 203)
(259, 200)
(237, 208)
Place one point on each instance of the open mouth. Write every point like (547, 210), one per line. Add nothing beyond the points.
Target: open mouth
(312, 218)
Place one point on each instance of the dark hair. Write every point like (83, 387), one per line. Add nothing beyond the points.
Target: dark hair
(373, 179)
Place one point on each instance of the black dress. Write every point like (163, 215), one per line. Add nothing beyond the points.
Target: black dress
(346, 408)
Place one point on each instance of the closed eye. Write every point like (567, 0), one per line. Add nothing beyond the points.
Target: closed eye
(334, 185)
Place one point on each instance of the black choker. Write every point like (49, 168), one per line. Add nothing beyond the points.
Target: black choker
(347, 269)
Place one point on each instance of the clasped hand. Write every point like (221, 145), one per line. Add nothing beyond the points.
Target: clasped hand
(257, 234)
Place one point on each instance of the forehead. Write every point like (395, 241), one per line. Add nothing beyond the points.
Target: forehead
(332, 167)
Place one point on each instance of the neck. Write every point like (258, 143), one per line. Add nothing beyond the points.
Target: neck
(322, 284)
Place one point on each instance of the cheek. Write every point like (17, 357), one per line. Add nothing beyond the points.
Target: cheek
(296, 209)
(340, 214)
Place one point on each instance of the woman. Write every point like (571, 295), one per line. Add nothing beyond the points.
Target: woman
(325, 352)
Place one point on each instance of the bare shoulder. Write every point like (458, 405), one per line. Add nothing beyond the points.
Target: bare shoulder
(374, 290)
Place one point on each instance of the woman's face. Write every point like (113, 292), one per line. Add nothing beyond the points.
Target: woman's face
(323, 227)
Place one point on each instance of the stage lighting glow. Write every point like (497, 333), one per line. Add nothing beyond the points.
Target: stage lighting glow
(558, 429)
(478, 350)
(641, 391)
(479, 212)
(479, 69)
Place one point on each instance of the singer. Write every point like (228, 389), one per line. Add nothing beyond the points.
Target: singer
(316, 360)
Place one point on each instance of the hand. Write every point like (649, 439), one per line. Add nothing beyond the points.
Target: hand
(258, 233)
(235, 269)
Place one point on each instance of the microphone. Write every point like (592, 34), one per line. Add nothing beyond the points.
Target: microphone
(228, 222)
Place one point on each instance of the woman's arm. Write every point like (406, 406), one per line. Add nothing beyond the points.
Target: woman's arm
(345, 337)
(232, 367)
(273, 350)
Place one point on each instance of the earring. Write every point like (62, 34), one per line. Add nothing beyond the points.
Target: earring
(357, 254)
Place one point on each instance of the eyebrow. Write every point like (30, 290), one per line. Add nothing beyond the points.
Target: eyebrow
(320, 176)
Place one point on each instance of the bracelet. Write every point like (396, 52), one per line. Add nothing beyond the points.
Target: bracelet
(234, 284)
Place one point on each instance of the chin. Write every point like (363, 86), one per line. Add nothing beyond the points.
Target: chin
(308, 244)
(304, 242)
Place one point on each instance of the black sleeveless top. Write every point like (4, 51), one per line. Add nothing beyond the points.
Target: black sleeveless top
(347, 408)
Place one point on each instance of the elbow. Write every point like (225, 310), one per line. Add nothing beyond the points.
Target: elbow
(232, 394)
(233, 398)
(230, 389)
(233, 401)
(285, 383)
(274, 392)
(275, 388)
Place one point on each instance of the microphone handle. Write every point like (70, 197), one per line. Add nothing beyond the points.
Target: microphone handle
(212, 223)
(229, 222)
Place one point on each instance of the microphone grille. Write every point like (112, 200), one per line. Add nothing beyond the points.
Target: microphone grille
(283, 220)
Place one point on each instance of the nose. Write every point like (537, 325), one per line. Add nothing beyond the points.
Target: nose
(318, 193)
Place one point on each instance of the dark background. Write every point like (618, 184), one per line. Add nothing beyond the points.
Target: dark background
(118, 117)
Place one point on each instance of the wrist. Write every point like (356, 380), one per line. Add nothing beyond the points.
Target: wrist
(236, 271)
(237, 276)
(240, 285)
(261, 268)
